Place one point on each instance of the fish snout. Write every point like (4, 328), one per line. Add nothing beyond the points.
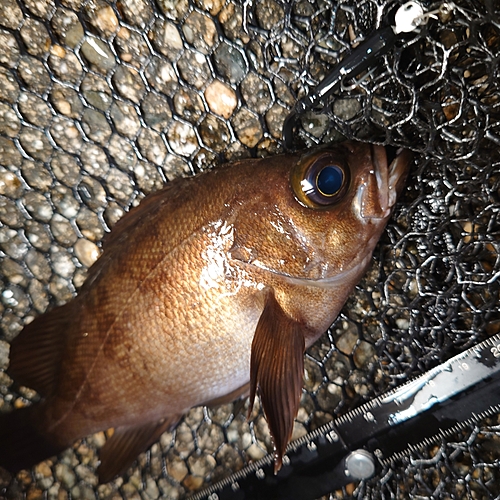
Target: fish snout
(380, 188)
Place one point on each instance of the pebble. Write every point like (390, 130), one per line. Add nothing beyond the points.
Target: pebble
(9, 154)
(125, 119)
(174, 9)
(94, 160)
(221, 99)
(66, 101)
(66, 135)
(198, 24)
(38, 295)
(161, 75)
(10, 124)
(102, 17)
(67, 27)
(38, 235)
(166, 38)
(214, 133)
(128, 84)
(64, 201)
(119, 185)
(33, 73)
(41, 8)
(62, 230)
(230, 63)
(194, 69)
(97, 54)
(96, 91)
(35, 143)
(62, 263)
(38, 265)
(13, 272)
(10, 14)
(156, 111)
(37, 206)
(188, 105)
(34, 109)
(136, 12)
(182, 138)
(152, 146)
(35, 37)
(92, 193)
(65, 65)
(247, 127)
(256, 92)
(9, 50)
(10, 184)
(275, 119)
(132, 48)
(148, 177)
(9, 213)
(89, 225)
(122, 153)
(95, 126)
(65, 168)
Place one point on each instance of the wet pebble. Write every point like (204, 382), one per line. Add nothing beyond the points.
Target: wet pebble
(34, 109)
(102, 17)
(256, 92)
(65, 65)
(89, 225)
(221, 99)
(188, 105)
(113, 213)
(66, 134)
(97, 54)
(346, 109)
(36, 175)
(92, 193)
(62, 230)
(65, 168)
(128, 84)
(65, 475)
(37, 235)
(147, 176)
(176, 467)
(10, 124)
(37, 206)
(125, 119)
(35, 37)
(95, 126)
(231, 18)
(10, 14)
(132, 47)
(61, 289)
(66, 101)
(174, 9)
(41, 8)
(182, 138)
(9, 49)
(13, 272)
(62, 263)
(151, 146)
(230, 63)
(212, 6)
(166, 38)
(175, 167)
(38, 265)
(194, 69)
(10, 184)
(119, 185)
(161, 75)
(200, 31)
(136, 12)
(214, 133)
(38, 295)
(35, 143)
(364, 355)
(247, 127)
(15, 299)
(64, 201)
(122, 152)
(9, 154)
(9, 88)
(67, 27)
(33, 74)
(96, 91)
(275, 118)
(87, 252)
(94, 160)
(9, 213)
(156, 112)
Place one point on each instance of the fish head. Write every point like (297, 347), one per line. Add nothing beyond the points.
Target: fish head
(322, 212)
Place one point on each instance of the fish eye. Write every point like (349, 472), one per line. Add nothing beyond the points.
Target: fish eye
(319, 181)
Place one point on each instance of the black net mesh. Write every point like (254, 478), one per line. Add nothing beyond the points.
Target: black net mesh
(104, 102)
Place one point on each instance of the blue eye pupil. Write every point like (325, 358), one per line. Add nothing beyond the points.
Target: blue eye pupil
(329, 180)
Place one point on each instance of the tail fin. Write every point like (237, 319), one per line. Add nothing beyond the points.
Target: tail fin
(21, 445)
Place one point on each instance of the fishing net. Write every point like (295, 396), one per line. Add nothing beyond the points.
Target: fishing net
(104, 102)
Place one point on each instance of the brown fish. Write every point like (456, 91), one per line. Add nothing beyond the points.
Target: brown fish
(211, 289)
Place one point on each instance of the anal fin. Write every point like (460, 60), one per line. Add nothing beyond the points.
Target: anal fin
(35, 354)
(123, 447)
(277, 370)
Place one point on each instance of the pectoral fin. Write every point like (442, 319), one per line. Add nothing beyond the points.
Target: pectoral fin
(123, 447)
(277, 369)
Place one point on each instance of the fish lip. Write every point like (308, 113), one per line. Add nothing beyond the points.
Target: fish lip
(379, 193)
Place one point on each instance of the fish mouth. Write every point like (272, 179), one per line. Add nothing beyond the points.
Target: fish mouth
(378, 194)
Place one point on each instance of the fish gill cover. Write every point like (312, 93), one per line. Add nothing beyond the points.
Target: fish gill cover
(104, 102)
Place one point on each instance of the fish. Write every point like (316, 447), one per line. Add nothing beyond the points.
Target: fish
(210, 290)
